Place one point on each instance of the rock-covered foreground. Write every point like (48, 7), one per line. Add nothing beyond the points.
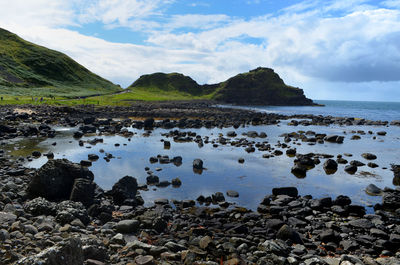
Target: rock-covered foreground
(58, 215)
(112, 227)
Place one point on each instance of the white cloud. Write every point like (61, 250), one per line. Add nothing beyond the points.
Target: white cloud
(307, 44)
(39, 12)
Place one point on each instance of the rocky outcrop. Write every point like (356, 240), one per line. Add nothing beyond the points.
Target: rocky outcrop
(61, 179)
(261, 86)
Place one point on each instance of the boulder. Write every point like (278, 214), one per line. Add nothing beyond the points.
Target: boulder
(125, 188)
(373, 190)
(369, 156)
(83, 191)
(289, 191)
(198, 164)
(68, 252)
(288, 233)
(55, 179)
(330, 166)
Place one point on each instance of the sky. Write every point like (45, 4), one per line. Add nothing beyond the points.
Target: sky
(344, 49)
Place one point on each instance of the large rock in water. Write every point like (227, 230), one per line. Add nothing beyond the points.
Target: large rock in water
(124, 189)
(67, 252)
(55, 179)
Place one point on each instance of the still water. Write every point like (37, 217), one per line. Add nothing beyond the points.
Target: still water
(253, 179)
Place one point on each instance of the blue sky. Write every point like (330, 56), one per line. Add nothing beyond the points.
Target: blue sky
(344, 49)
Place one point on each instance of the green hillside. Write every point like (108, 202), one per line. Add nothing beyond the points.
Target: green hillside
(174, 82)
(261, 86)
(31, 70)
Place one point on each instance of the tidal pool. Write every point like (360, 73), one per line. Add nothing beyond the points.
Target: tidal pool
(253, 179)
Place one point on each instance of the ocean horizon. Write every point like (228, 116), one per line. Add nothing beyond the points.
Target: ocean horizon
(369, 110)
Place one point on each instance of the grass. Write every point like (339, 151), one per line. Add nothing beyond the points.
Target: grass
(32, 70)
(123, 99)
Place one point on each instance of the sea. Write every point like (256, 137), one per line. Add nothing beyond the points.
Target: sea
(370, 110)
(257, 176)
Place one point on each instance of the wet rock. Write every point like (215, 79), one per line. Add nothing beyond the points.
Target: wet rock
(372, 165)
(36, 154)
(198, 164)
(124, 189)
(176, 182)
(218, 197)
(93, 157)
(342, 200)
(351, 169)
(368, 156)
(299, 171)
(232, 193)
(334, 138)
(68, 252)
(357, 163)
(55, 179)
(330, 166)
(86, 163)
(373, 190)
(289, 191)
(152, 180)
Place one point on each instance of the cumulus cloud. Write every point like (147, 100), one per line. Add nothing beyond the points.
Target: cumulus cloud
(313, 44)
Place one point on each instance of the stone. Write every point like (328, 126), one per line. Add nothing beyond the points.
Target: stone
(198, 164)
(351, 169)
(330, 166)
(67, 252)
(232, 193)
(144, 260)
(55, 179)
(361, 223)
(373, 190)
(125, 188)
(127, 226)
(83, 191)
(176, 182)
(289, 191)
(286, 232)
(7, 218)
(40, 206)
(368, 156)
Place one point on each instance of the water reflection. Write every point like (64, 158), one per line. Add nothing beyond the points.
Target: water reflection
(120, 156)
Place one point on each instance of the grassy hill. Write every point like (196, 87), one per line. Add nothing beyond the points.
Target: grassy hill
(32, 70)
(261, 86)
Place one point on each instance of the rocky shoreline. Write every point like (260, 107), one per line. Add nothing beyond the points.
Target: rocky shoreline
(58, 215)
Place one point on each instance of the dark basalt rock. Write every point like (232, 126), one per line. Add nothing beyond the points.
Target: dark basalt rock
(55, 179)
(124, 189)
(289, 191)
(68, 252)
